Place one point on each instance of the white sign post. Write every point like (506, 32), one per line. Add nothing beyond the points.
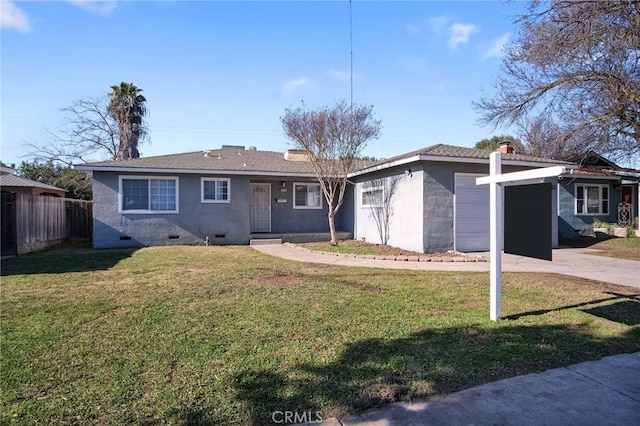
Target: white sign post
(495, 180)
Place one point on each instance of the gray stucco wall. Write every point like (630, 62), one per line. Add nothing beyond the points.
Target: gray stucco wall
(223, 223)
(284, 218)
(573, 225)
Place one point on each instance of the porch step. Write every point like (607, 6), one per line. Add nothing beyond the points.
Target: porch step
(265, 241)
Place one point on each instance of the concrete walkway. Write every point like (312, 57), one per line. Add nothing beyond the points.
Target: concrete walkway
(577, 262)
(603, 392)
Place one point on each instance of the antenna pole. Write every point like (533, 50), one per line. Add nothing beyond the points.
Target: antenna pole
(351, 51)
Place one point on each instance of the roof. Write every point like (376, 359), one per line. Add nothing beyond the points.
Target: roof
(13, 180)
(220, 161)
(234, 160)
(452, 153)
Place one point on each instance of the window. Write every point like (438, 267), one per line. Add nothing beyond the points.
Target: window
(148, 194)
(307, 196)
(372, 197)
(215, 190)
(592, 199)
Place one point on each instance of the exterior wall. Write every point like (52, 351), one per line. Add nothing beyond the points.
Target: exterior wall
(405, 222)
(345, 218)
(34, 190)
(572, 225)
(194, 222)
(223, 223)
(439, 202)
(284, 218)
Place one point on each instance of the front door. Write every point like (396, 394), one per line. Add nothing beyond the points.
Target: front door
(260, 207)
(625, 212)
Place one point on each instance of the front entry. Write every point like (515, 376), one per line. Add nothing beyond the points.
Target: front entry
(260, 207)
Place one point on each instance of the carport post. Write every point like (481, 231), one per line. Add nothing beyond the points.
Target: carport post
(495, 230)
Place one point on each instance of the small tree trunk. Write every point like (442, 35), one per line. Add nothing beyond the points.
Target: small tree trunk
(332, 227)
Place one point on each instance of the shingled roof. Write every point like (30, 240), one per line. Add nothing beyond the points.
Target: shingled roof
(17, 181)
(239, 160)
(226, 161)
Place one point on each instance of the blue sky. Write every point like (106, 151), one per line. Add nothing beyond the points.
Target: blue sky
(219, 73)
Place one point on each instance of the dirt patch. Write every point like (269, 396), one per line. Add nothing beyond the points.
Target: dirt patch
(277, 281)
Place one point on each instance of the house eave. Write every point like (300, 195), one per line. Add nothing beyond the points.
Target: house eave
(190, 171)
(436, 158)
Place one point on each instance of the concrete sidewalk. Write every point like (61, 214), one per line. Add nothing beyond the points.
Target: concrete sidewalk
(577, 262)
(603, 392)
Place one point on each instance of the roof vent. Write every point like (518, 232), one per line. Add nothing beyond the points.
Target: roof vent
(252, 148)
(206, 153)
(296, 155)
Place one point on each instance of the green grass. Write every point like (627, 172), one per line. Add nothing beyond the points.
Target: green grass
(226, 335)
(358, 247)
(624, 248)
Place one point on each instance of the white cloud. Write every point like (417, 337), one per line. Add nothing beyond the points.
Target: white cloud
(291, 87)
(98, 7)
(438, 24)
(11, 16)
(495, 49)
(460, 33)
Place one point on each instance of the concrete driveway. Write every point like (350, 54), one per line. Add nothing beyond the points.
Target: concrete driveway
(577, 262)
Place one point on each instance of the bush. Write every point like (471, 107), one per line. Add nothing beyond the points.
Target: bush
(631, 233)
(599, 224)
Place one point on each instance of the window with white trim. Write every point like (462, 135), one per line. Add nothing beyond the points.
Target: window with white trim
(372, 197)
(307, 196)
(148, 194)
(215, 190)
(592, 199)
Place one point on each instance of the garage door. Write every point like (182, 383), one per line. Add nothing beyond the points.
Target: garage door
(471, 214)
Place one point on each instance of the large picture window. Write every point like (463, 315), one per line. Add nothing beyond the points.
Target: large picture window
(592, 199)
(307, 196)
(215, 190)
(148, 194)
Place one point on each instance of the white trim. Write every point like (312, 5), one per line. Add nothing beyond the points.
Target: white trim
(191, 171)
(307, 184)
(371, 189)
(147, 178)
(600, 186)
(215, 201)
(437, 158)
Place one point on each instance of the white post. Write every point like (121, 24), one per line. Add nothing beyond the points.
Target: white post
(495, 197)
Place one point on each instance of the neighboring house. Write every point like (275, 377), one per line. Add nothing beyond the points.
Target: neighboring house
(595, 191)
(231, 195)
(436, 205)
(11, 183)
(227, 196)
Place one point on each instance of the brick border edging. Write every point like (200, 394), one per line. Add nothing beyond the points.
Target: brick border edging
(399, 258)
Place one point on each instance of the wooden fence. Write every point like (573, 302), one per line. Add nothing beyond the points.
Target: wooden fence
(42, 221)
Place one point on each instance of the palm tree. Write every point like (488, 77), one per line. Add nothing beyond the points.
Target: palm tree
(128, 108)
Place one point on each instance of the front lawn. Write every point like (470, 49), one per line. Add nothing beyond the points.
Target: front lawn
(226, 335)
(622, 248)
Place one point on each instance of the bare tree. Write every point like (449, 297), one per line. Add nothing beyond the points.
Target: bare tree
(88, 131)
(332, 139)
(109, 127)
(379, 195)
(576, 65)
